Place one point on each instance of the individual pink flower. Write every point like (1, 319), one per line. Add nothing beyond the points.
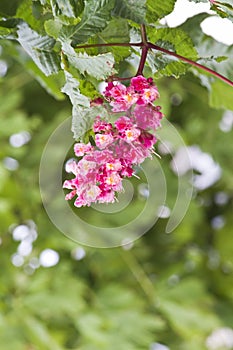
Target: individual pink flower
(148, 117)
(123, 123)
(81, 148)
(106, 196)
(86, 166)
(114, 165)
(140, 83)
(72, 167)
(101, 125)
(103, 140)
(131, 134)
(148, 96)
(147, 140)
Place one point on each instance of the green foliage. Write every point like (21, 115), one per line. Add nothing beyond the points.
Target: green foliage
(134, 10)
(174, 40)
(95, 17)
(158, 9)
(40, 48)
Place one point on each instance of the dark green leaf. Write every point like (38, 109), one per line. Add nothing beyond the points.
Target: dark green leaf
(39, 48)
(134, 10)
(95, 18)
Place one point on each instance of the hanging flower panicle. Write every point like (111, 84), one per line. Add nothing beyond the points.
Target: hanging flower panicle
(117, 146)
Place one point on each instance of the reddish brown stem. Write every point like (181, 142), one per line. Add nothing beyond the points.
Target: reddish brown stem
(146, 45)
(193, 63)
(144, 53)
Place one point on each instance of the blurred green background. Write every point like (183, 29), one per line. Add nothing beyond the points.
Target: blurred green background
(163, 291)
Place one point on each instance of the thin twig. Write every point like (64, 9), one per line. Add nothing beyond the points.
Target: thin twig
(193, 63)
(89, 46)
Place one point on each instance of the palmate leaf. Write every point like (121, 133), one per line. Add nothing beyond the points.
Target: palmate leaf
(99, 67)
(134, 10)
(175, 40)
(95, 18)
(39, 48)
(158, 9)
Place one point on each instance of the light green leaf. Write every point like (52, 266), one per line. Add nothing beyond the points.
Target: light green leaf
(53, 27)
(83, 119)
(99, 67)
(25, 12)
(95, 18)
(158, 9)
(71, 88)
(39, 48)
(131, 9)
(175, 40)
(221, 95)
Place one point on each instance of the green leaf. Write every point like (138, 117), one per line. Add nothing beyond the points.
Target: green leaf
(158, 9)
(8, 28)
(53, 27)
(99, 67)
(71, 88)
(25, 13)
(116, 31)
(68, 8)
(95, 18)
(224, 8)
(175, 40)
(83, 119)
(221, 95)
(134, 10)
(39, 48)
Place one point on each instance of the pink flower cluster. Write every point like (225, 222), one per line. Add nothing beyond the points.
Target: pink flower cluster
(117, 146)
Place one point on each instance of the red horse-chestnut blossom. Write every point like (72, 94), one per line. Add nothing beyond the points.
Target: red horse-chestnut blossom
(118, 146)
